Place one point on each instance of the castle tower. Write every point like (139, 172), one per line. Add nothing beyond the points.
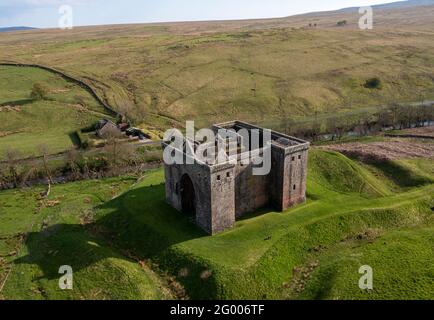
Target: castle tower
(215, 195)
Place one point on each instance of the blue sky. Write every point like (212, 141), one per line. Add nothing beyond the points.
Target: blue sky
(44, 13)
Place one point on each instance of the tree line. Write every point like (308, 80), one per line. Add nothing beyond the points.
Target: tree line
(113, 159)
(393, 117)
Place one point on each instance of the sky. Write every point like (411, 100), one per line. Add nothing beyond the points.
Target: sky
(45, 13)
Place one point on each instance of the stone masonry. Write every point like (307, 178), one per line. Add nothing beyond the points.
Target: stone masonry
(218, 194)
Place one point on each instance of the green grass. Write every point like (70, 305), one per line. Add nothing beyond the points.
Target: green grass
(254, 260)
(336, 172)
(50, 122)
(399, 175)
(400, 262)
(64, 235)
(253, 71)
(17, 83)
(258, 256)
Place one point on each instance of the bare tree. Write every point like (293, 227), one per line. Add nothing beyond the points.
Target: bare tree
(114, 148)
(428, 113)
(44, 151)
(394, 114)
(13, 161)
(28, 173)
(117, 151)
(3, 175)
(72, 158)
(331, 127)
(385, 118)
(316, 130)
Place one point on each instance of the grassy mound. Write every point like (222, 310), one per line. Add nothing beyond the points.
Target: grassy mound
(259, 255)
(401, 175)
(399, 260)
(405, 174)
(36, 238)
(333, 171)
(104, 237)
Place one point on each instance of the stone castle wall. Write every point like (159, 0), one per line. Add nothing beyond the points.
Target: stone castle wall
(226, 192)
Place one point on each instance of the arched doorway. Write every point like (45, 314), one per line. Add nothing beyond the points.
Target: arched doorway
(188, 195)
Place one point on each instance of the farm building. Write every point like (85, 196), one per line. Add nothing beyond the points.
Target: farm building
(106, 128)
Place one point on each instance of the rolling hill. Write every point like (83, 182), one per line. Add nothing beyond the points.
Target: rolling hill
(11, 29)
(253, 70)
(124, 241)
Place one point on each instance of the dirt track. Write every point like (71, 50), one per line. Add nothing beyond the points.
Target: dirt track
(388, 150)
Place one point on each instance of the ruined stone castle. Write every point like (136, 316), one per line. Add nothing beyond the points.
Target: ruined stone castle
(219, 193)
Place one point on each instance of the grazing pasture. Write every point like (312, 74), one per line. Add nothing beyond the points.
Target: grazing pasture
(27, 123)
(259, 70)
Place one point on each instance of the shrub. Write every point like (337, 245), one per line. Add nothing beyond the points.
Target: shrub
(39, 92)
(373, 83)
(97, 164)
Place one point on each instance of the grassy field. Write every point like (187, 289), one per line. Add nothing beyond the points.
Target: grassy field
(27, 123)
(124, 241)
(398, 258)
(354, 216)
(37, 237)
(251, 70)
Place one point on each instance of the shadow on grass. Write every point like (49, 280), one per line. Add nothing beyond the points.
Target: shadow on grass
(15, 103)
(137, 224)
(141, 219)
(400, 175)
(64, 244)
(141, 222)
(257, 213)
(328, 279)
(75, 139)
